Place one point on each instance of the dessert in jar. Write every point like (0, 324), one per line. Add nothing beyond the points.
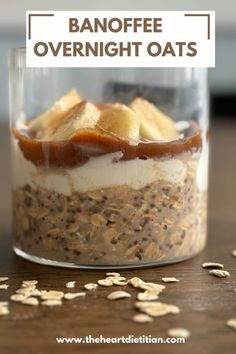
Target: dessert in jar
(107, 185)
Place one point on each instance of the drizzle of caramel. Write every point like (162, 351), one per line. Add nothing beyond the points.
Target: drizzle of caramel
(89, 143)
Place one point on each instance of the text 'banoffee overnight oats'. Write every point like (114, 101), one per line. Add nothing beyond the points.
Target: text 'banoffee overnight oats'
(107, 185)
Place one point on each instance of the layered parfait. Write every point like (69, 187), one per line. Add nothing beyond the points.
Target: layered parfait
(107, 184)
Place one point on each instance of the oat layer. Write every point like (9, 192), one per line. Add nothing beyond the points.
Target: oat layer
(113, 226)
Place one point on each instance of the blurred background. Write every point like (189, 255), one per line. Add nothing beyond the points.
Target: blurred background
(222, 78)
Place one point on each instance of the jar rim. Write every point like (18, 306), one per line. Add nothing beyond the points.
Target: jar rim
(18, 49)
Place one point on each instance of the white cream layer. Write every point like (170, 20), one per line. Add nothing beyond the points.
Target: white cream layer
(99, 172)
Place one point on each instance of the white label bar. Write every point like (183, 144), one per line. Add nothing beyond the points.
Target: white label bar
(120, 39)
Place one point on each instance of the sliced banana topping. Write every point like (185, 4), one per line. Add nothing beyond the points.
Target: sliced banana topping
(55, 114)
(82, 116)
(120, 120)
(154, 125)
(140, 120)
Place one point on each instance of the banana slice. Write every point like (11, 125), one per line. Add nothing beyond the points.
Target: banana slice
(83, 115)
(120, 120)
(154, 125)
(55, 114)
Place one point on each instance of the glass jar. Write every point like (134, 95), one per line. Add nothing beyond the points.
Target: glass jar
(114, 174)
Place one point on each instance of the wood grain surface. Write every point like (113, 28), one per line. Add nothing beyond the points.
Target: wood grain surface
(206, 302)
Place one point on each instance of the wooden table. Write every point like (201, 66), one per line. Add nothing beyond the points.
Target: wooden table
(206, 302)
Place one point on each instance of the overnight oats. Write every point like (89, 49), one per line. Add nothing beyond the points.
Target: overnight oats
(107, 184)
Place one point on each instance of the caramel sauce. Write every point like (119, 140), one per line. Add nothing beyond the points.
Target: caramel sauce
(89, 143)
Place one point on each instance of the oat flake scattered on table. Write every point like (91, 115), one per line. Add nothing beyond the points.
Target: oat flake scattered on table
(136, 282)
(26, 283)
(212, 265)
(120, 282)
(27, 291)
(234, 253)
(157, 308)
(90, 286)
(116, 295)
(3, 279)
(113, 274)
(232, 323)
(52, 303)
(178, 332)
(17, 297)
(4, 310)
(4, 286)
(52, 295)
(147, 295)
(219, 273)
(37, 292)
(157, 287)
(142, 318)
(71, 296)
(170, 280)
(115, 277)
(30, 301)
(70, 284)
(105, 282)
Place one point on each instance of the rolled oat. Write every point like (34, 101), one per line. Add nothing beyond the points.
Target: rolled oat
(4, 310)
(70, 284)
(30, 301)
(120, 282)
(136, 282)
(90, 286)
(51, 303)
(26, 291)
(178, 332)
(3, 279)
(105, 282)
(157, 287)
(147, 295)
(170, 280)
(98, 220)
(219, 273)
(116, 295)
(37, 292)
(232, 323)
(18, 297)
(52, 295)
(71, 296)
(3, 286)
(157, 309)
(212, 265)
(29, 282)
(3, 303)
(142, 318)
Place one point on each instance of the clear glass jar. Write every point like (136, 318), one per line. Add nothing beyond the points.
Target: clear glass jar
(114, 175)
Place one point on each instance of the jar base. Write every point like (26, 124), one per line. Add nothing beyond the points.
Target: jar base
(48, 262)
